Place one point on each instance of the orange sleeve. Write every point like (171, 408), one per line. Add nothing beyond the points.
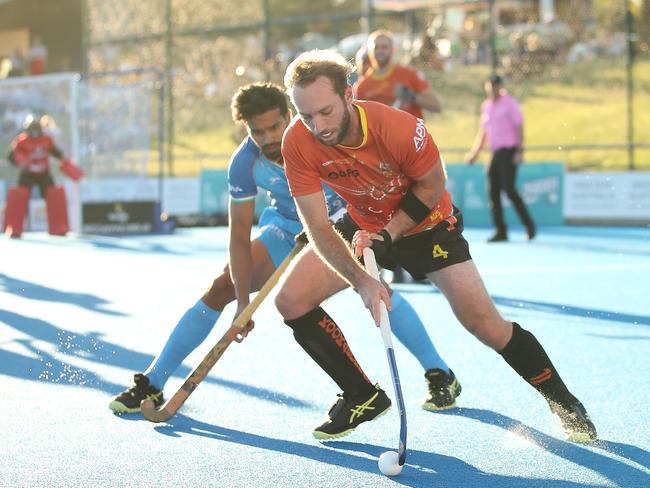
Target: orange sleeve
(416, 150)
(418, 81)
(302, 174)
(359, 89)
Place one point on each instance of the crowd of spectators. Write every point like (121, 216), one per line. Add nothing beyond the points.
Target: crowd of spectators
(19, 63)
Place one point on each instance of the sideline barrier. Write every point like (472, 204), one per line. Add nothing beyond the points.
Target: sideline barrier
(539, 184)
(553, 198)
(214, 193)
(614, 198)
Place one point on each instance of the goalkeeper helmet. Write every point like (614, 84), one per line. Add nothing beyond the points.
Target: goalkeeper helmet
(32, 125)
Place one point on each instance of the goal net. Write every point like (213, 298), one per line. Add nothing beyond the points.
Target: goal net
(107, 122)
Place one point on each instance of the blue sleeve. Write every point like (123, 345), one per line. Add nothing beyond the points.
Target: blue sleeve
(334, 202)
(241, 182)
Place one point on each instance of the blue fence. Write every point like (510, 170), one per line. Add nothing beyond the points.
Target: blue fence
(540, 184)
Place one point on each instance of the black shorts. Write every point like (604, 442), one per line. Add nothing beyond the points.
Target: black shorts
(42, 180)
(421, 253)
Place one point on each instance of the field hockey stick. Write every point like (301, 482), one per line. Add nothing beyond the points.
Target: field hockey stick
(171, 406)
(384, 326)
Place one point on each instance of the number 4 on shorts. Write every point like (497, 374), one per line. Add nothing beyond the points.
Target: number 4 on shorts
(439, 253)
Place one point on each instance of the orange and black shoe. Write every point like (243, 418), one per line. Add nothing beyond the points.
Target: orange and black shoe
(129, 400)
(444, 388)
(575, 421)
(348, 412)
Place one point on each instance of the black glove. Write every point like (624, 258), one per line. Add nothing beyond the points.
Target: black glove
(404, 94)
(302, 237)
(380, 247)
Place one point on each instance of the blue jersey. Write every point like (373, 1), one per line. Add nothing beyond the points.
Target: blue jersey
(250, 169)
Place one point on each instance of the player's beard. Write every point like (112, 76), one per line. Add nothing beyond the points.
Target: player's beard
(343, 129)
(383, 60)
(382, 63)
(273, 151)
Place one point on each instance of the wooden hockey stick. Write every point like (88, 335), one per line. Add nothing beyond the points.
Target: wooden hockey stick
(171, 406)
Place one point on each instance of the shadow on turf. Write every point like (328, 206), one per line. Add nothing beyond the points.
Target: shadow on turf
(616, 471)
(34, 291)
(555, 308)
(43, 366)
(111, 243)
(117, 243)
(423, 469)
(133, 243)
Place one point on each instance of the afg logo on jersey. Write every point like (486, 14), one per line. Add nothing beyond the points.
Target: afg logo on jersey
(332, 175)
(420, 135)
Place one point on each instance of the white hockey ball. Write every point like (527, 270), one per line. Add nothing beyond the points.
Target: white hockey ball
(389, 464)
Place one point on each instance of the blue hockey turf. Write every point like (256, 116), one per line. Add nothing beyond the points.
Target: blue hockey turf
(78, 316)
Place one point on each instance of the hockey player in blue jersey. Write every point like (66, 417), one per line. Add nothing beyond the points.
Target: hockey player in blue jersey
(257, 163)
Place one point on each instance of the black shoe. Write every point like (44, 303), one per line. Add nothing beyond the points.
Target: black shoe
(444, 388)
(129, 400)
(531, 232)
(575, 420)
(347, 413)
(498, 237)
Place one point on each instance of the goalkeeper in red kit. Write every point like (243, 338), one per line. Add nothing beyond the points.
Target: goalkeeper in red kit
(31, 151)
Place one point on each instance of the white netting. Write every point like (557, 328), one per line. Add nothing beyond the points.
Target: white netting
(52, 95)
(115, 128)
(106, 122)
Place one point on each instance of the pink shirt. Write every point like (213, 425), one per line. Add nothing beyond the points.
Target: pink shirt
(500, 119)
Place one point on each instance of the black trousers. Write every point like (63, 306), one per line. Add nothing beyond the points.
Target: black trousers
(502, 174)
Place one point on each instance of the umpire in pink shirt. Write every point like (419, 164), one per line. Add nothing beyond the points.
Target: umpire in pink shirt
(502, 124)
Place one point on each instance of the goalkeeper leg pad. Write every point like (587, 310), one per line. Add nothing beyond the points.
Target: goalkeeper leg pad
(16, 210)
(57, 211)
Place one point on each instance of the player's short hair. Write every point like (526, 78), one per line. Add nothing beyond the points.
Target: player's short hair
(311, 65)
(494, 79)
(256, 99)
(379, 33)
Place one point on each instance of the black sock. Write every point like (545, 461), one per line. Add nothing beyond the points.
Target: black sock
(527, 357)
(322, 339)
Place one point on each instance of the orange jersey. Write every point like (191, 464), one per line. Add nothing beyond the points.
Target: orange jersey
(381, 88)
(372, 177)
(35, 151)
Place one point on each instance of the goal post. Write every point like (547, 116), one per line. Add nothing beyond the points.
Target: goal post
(56, 97)
(110, 123)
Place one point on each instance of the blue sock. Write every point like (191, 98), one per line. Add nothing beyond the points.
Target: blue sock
(191, 330)
(410, 331)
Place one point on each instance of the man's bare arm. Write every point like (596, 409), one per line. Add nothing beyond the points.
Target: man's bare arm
(428, 189)
(327, 242)
(428, 100)
(479, 141)
(241, 216)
